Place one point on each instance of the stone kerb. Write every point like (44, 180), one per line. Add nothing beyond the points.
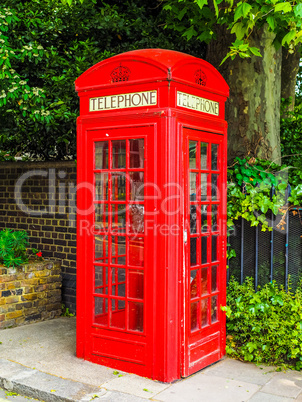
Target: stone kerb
(30, 293)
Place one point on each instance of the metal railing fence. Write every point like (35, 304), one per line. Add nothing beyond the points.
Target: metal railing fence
(270, 255)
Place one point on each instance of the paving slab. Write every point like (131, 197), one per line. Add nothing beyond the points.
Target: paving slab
(135, 385)
(299, 397)
(50, 347)
(236, 370)
(6, 396)
(39, 360)
(288, 384)
(263, 397)
(36, 384)
(202, 387)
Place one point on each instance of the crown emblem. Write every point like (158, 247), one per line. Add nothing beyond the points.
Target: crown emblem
(200, 78)
(120, 73)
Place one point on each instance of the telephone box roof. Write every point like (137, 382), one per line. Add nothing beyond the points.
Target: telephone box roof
(147, 65)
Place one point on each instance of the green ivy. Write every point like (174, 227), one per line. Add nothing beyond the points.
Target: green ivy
(291, 133)
(250, 182)
(264, 326)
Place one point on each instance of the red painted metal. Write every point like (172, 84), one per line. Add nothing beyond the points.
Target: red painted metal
(151, 214)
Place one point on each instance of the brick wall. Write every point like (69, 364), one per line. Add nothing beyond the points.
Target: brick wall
(39, 197)
(29, 293)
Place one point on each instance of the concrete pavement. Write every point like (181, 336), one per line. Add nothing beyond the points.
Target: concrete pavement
(38, 361)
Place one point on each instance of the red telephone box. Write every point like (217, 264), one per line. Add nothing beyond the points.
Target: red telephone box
(151, 264)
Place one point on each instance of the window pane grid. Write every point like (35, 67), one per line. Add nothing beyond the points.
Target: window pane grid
(204, 202)
(119, 303)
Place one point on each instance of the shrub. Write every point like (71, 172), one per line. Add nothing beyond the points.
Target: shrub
(13, 247)
(264, 326)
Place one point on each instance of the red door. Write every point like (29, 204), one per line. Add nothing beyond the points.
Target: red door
(117, 272)
(205, 242)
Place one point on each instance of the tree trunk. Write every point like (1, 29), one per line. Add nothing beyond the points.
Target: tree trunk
(290, 68)
(253, 109)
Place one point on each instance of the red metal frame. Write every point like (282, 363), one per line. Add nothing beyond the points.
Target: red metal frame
(133, 315)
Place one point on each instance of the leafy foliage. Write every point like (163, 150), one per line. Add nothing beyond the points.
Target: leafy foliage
(250, 182)
(264, 326)
(45, 46)
(13, 247)
(291, 134)
(66, 312)
(241, 18)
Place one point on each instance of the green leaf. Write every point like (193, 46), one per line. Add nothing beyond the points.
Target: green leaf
(298, 10)
(246, 8)
(289, 37)
(239, 30)
(271, 22)
(189, 33)
(201, 3)
(277, 300)
(255, 51)
(216, 8)
(251, 346)
(182, 13)
(238, 12)
(284, 7)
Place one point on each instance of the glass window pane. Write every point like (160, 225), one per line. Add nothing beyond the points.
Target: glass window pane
(193, 259)
(118, 275)
(136, 284)
(118, 315)
(121, 274)
(118, 279)
(203, 186)
(101, 155)
(136, 153)
(101, 280)
(214, 187)
(136, 186)
(101, 248)
(119, 154)
(204, 250)
(192, 154)
(214, 248)
(215, 156)
(114, 275)
(193, 219)
(136, 251)
(121, 304)
(101, 310)
(194, 316)
(136, 316)
(121, 289)
(118, 186)
(194, 291)
(214, 218)
(204, 313)
(101, 217)
(118, 250)
(101, 186)
(214, 308)
(136, 218)
(203, 155)
(204, 281)
(214, 278)
(119, 217)
(204, 218)
(193, 186)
